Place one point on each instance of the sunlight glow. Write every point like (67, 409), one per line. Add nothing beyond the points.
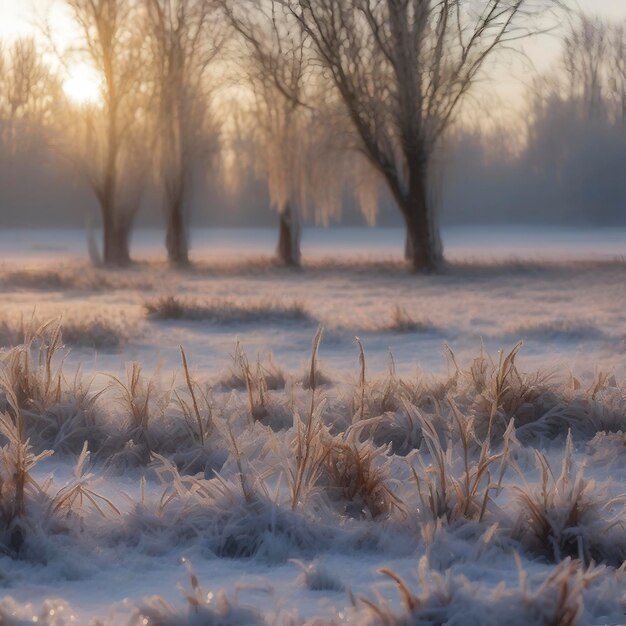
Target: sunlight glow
(83, 85)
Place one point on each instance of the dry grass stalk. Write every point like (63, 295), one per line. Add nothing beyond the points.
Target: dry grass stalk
(362, 383)
(309, 451)
(430, 607)
(256, 385)
(200, 424)
(246, 489)
(443, 493)
(72, 497)
(208, 609)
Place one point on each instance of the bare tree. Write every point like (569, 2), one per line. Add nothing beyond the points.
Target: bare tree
(294, 131)
(28, 91)
(594, 66)
(186, 37)
(402, 68)
(110, 137)
(575, 140)
(274, 120)
(279, 146)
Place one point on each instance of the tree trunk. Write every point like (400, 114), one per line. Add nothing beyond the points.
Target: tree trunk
(176, 237)
(92, 243)
(108, 236)
(116, 239)
(423, 248)
(122, 243)
(408, 245)
(288, 249)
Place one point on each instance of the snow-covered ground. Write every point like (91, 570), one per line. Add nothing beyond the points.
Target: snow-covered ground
(562, 292)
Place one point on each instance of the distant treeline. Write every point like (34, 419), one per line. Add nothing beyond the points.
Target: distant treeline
(212, 115)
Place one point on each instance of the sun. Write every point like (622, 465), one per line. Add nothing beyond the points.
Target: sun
(83, 85)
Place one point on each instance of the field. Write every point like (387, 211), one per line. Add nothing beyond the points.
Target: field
(344, 444)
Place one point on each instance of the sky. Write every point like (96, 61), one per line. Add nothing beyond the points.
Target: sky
(20, 17)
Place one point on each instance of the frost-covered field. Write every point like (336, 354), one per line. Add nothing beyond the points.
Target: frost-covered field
(442, 474)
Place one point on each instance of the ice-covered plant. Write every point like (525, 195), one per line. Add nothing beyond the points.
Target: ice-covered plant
(197, 409)
(31, 374)
(141, 400)
(458, 483)
(568, 516)
(429, 607)
(353, 472)
(73, 497)
(308, 444)
(17, 484)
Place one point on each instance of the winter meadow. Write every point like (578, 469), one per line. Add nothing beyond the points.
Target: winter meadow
(312, 312)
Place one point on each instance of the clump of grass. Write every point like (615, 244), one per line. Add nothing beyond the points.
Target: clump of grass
(86, 330)
(73, 278)
(166, 308)
(402, 322)
(496, 391)
(141, 402)
(41, 279)
(555, 329)
(352, 473)
(347, 468)
(451, 493)
(56, 414)
(31, 374)
(499, 391)
(97, 333)
(16, 482)
(67, 425)
(257, 380)
(564, 516)
(20, 492)
(608, 450)
(235, 515)
(224, 310)
(237, 375)
(601, 407)
(378, 409)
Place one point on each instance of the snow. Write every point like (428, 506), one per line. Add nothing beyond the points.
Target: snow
(563, 292)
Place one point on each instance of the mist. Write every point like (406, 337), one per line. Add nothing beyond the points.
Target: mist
(303, 322)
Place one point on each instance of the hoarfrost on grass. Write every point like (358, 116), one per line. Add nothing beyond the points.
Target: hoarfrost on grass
(289, 481)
